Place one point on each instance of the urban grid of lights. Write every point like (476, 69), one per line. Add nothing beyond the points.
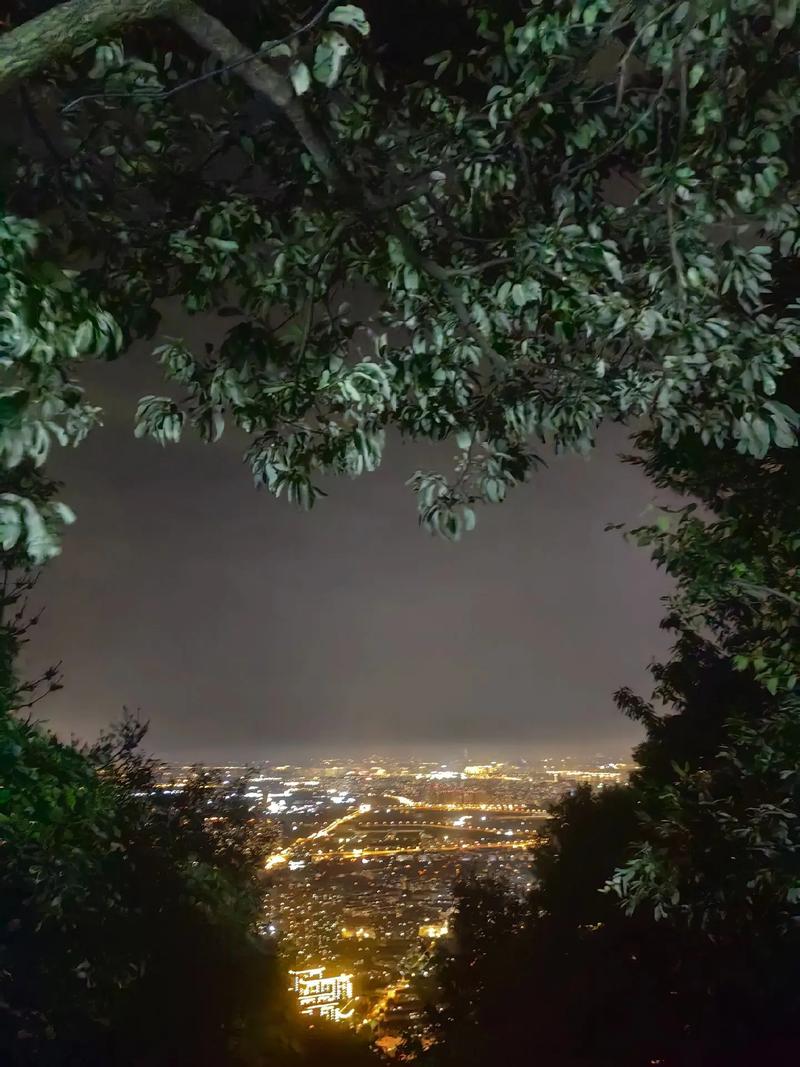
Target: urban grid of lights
(354, 834)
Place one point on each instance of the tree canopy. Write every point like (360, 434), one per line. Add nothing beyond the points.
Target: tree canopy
(560, 213)
(701, 849)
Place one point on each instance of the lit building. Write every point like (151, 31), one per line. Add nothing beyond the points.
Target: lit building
(618, 775)
(434, 930)
(360, 933)
(482, 770)
(326, 997)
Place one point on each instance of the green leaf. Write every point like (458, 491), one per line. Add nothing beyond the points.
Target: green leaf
(785, 13)
(12, 404)
(526, 292)
(350, 15)
(275, 51)
(300, 77)
(613, 264)
(222, 245)
(761, 436)
(787, 242)
(770, 142)
(10, 526)
(329, 56)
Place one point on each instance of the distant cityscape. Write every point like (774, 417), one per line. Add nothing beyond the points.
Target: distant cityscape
(366, 854)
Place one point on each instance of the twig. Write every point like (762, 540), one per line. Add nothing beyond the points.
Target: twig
(309, 319)
(683, 85)
(456, 485)
(522, 152)
(162, 94)
(415, 187)
(684, 99)
(765, 591)
(478, 268)
(38, 127)
(501, 261)
(301, 356)
(581, 168)
(623, 63)
(675, 252)
(442, 276)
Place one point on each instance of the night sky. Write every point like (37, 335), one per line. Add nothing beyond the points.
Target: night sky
(244, 629)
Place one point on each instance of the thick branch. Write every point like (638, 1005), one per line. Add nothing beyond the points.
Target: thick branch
(764, 592)
(55, 34)
(30, 47)
(212, 35)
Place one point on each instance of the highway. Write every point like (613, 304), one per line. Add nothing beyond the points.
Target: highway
(412, 827)
(510, 811)
(285, 855)
(370, 853)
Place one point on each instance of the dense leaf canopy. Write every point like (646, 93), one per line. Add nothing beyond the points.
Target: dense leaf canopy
(572, 212)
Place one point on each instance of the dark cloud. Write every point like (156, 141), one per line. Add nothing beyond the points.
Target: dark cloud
(242, 627)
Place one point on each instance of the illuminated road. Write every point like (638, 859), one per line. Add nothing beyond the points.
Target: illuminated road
(411, 827)
(369, 853)
(326, 831)
(285, 854)
(510, 811)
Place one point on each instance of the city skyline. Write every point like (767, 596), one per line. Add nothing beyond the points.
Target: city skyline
(445, 754)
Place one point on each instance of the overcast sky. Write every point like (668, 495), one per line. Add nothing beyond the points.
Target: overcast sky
(244, 629)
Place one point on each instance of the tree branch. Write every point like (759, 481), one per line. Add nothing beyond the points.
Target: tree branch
(55, 34)
(442, 276)
(626, 58)
(213, 36)
(167, 94)
(38, 126)
(764, 592)
(59, 31)
(675, 253)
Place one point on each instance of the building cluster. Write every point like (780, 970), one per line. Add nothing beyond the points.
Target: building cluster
(323, 996)
(367, 854)
(377, 924)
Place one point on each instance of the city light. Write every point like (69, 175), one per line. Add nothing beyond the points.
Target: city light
(434, 930)
(359, 886)
(361, 933)
(323, 996)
